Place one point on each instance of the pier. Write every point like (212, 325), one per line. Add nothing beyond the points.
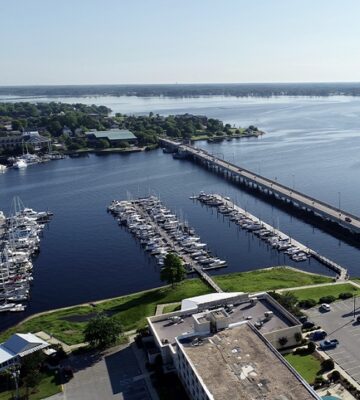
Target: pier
(341, 272)
(266, 186)
(147, 227)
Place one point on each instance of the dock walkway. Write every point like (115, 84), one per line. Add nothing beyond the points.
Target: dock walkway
(341, 271)
(188, 260)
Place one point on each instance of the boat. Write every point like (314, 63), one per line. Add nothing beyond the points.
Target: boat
(6, 307)
(3, 168)
(20, 164)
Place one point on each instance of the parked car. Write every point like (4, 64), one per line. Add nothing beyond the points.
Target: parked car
(347, 219)
(325, 307)
(328, 344)
(317, 335)
(358, 319)
(303, 318)
(308, 325)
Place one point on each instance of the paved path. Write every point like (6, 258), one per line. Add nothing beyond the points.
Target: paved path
(318, 285)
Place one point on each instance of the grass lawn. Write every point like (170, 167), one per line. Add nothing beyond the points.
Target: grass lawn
(131, 311)
(331, 290)
(171, 308)
(306, 365)
(267, 279)
(46, 388)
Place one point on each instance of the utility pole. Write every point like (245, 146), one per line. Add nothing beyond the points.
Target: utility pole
(354, 304)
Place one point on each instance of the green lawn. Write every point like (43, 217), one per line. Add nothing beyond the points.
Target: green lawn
(47, 388)
(330, 290)
(267, 279)
(131, 311)
(306, 365)
(171, 308)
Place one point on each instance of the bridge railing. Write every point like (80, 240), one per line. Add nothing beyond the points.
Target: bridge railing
(272, 182)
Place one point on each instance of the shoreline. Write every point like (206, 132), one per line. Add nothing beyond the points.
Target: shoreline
(92, 303)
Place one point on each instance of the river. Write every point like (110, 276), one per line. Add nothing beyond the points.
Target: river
(311, 144)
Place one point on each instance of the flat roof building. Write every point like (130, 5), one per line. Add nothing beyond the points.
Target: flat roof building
(238, 364)
(224, 347)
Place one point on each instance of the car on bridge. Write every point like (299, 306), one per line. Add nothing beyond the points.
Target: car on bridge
(328, 344)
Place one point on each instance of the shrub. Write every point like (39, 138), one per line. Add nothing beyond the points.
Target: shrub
(298, 337)
(345, 295)
(327, 299)
(308, 303)
(327, 365)
(335, 376)
(311, 347)
(283, 340)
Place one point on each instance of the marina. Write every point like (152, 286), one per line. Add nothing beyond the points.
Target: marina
(272, 236)
(19, 244)
(160, 232)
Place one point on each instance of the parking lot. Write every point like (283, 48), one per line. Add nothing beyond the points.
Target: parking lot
(109, 376)
(339, 323)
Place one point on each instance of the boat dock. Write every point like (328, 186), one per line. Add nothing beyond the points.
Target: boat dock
(19, 243)
(277, 239)
(161, 233)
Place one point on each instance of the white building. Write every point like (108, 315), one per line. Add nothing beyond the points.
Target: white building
(225, 324)
(18, 346)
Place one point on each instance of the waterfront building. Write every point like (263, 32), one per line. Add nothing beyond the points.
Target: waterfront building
(18, 139)
(19, 346)
(115, 137)
(223, 345)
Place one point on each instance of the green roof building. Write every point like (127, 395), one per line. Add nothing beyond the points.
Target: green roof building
(113, 136)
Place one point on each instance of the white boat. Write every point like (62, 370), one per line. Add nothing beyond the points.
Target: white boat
(3, 168)
(6, 307)
(20, 164)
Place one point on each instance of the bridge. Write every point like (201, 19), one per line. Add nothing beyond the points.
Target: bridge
(265, 185)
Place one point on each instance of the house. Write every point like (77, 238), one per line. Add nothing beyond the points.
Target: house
(115, 137)
(18, 346)
(36, 140)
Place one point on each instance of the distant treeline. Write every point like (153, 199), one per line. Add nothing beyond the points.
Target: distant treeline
(190, 90)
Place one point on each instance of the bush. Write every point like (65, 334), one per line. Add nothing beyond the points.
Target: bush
(283, 340)
(335, 376)
(298, 337)
(345, 295)
(327, 365)
(311, 347)
(308, 303)
(327, 299)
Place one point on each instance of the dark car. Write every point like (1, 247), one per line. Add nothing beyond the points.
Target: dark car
(358, 319)
(317, 335)
(347, 219)
(308, 325)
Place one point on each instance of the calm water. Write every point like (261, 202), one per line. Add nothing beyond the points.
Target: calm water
(312, 144)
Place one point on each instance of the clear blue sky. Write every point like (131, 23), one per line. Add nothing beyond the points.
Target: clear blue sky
(184, 41)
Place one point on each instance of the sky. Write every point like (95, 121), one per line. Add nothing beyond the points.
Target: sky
(178, 41)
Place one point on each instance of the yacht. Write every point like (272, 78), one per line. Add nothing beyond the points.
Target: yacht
(20, 164)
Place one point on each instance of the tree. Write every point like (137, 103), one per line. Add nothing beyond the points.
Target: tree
(173, 270)
(311, 347)
(102, 331)
(327, 365)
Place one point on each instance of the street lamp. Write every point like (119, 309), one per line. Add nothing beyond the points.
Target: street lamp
(339, 195)
(15, 373)
(293, 181)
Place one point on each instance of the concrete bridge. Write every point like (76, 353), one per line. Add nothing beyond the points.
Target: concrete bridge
(265, 185)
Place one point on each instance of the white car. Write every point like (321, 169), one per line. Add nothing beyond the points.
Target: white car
(325, 307)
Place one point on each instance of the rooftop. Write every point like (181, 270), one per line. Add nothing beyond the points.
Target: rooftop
(167, 330)
(113, 134)
(238, 363)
